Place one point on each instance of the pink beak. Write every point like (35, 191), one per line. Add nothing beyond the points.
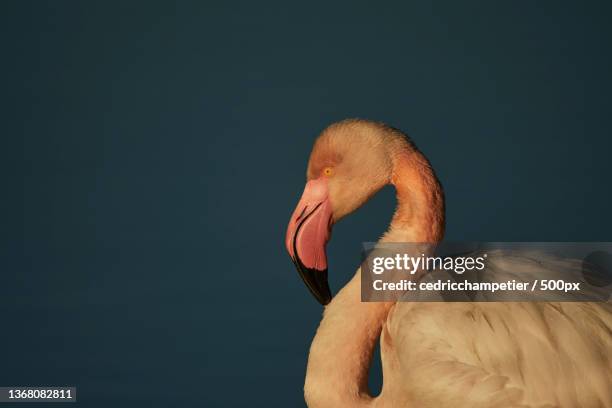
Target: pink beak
(307, 235)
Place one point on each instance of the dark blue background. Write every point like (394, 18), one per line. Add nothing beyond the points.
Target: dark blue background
(154, 152)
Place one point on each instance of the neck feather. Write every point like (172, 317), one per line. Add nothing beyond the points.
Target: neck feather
(420, 201)
(341, 352)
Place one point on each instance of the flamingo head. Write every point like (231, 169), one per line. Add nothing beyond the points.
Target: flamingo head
(350, 161)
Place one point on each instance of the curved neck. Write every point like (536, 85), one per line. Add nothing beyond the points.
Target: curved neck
(341, 351)
(419, 216)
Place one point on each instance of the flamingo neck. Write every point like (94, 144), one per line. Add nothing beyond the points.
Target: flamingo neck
(341, 352)
(420, 201)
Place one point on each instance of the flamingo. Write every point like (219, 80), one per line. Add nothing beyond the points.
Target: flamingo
(538, 354)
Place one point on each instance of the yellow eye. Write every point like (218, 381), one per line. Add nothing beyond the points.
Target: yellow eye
(328, 172)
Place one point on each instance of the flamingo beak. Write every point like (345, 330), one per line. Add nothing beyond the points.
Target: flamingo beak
(307, 235)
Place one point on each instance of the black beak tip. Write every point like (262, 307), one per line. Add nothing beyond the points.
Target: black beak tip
(316, 281)
(325, 295)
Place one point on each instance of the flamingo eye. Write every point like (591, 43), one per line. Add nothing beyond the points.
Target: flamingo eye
(328, 172)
